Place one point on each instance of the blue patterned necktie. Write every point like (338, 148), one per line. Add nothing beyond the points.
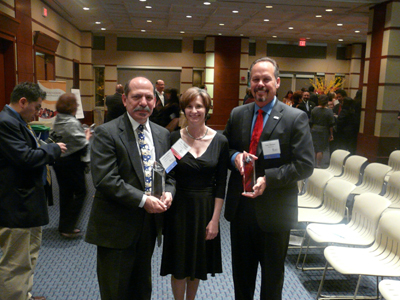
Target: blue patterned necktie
(146, 158)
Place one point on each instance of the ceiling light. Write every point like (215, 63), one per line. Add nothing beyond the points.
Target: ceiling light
(86, 8)
(221, 24)
(339, 24)
(143, 30)
(189, 17)
(149, 21)
(235, 11)
(308, 38)
(318, 16)
(340, 40)
(207, 3)
(269, 6)
(98, 22)
(357, 31)
(266, 20)
(182, 31)
(290, 28)
(219, 33)
(142, 0)
(103, 28)
(241, 34)
(274, 36)
(148, 6)
(329, 9)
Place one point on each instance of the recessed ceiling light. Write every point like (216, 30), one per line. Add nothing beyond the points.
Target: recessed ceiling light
(219, 33)
(357, 31)
(148, 6)
(189, 17)
(266, 20)
(339, 24)
(269, 6)
(207, 3)
(318, 16)
(235, 11)
(290, 28)
(308, 38)
(182, 31)
(149, 21)
(143, 30)
(340, 40)
(98, 22)
(221, 24)
(329, 9)
(241, 34)
(103, 28)
(142, 0)
(274, 36)
(86, 8)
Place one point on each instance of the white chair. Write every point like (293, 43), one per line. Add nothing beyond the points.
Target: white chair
(394, 162)
(393, 190)
(390, 289)
(373, 179)
(332, 211)
(337, 160)
(380, 259)
(353, 169)
(360, 231)
(316, 183)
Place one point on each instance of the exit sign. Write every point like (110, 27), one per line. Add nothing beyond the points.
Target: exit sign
(44, 12)
(302, 43)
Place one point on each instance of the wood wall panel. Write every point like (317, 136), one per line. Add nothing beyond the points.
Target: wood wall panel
(226, 79)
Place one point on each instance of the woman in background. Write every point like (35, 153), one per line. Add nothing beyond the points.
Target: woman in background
(347, 126)
(288, 99)
(171, 111)
(192, 244)
(70, 170)
(321, 121)
(297, 98)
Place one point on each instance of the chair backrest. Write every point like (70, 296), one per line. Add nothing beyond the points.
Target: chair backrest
(393, 189)
(335, 196)
(387, 241)
(373, 179)
(316, 183)
(353, 168)
(394, 160)
(336, 164)
(367, 210)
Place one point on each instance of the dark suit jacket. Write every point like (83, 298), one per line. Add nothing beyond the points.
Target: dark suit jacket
(116, 219)
(276, 209)
(158, 112)
(303, 107)
(23, 201)
(115, 106)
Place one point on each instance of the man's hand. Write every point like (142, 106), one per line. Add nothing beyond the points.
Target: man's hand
(258, 188)
(154, 205)
(167, 199)
(239, 161)
(63, 147)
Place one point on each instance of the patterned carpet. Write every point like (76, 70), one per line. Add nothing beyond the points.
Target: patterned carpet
(66, 269)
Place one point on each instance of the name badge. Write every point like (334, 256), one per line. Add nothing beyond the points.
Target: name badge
(271, 149)
(180, 148)
(168, 161)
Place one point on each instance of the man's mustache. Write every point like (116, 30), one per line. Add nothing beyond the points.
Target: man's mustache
(140, 108)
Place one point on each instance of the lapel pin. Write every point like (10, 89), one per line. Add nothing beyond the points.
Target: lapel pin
(276, 117)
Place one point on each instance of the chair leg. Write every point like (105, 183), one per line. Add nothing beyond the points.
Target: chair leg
(322, 281)
(301, 249)
(357, 286)
(305, 254)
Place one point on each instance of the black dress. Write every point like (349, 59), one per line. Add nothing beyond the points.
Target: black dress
(186, 253)
(321, 121)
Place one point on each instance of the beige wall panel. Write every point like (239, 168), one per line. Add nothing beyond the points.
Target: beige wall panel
(366, 71)
(393, 42)
(244, 60)
(364, 96)
(389, 126)
(210, 90)
(356, 51)
(110, 73)
(244, 45)
(186, 86)
(378, 123)
(368, 46)
(243, 73)
(86, 39)
(390, 96)
(242, 91)
(7, 10)
(355, 66)
(187, 75)
(86, 72)
(86, 55)
(210, 43)
(370, 20)
(64, 67)
(392, 14)
(210, 60)
(261, 50)
(380, 100)
(354, 81)
(209, 75)
(392, 70)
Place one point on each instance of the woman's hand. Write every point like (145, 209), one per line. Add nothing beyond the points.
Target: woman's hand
(211, 230)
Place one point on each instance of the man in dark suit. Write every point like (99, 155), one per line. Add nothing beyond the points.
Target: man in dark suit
(157, 115)
(306, 105)
(115, 107)
(122, 222)
(261, 221)
(23, 204)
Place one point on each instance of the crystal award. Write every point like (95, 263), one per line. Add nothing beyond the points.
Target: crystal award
(249, 176)
(158, 183)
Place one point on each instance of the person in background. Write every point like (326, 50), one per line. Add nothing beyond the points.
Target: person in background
(340, 94)
(115, 107)
(347, 127)
(306, 105)
(171, 111)
(23, 203)
(70, 167)
(157, 115)
(125, 217)
(248, 98)
(278, 138)
(192, 243)
(297, 98)
(288, 99)
(321, 121)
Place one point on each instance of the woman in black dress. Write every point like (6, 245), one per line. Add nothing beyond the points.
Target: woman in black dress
(192, 244)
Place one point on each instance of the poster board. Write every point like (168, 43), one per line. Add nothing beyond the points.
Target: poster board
(53, 89)
(79, 112)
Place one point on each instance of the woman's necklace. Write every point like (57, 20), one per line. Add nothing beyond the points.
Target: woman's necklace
(199, 138)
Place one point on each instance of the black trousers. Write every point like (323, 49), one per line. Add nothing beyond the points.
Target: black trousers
(125, 274)
(252, 246)
(70, 175)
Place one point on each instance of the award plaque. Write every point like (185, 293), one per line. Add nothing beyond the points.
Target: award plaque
(249, 176)
(158, 183)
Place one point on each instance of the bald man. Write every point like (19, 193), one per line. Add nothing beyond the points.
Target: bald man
(115, 107)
